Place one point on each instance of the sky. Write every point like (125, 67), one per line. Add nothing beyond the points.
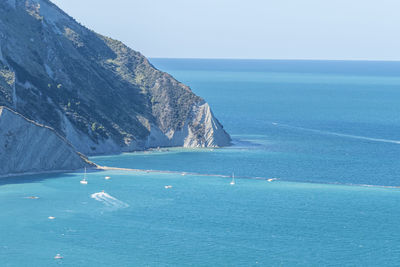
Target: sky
(252, 29)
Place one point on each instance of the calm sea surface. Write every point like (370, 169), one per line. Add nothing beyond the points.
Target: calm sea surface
(328, 131)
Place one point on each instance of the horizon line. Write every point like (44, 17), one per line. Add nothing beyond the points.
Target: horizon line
(278, 59)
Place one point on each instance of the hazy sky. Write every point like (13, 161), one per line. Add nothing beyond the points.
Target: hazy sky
(268, 29)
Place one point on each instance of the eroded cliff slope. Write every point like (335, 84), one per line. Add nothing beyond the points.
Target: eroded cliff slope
(26, 146)
(96, 92)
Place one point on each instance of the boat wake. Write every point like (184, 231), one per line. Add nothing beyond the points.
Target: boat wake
(340, 134)
(109, 201)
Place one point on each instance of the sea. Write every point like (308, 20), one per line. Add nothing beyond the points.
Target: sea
(315, 156)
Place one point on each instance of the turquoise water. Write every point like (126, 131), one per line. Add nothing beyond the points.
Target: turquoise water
(320, 121)
(316, 126)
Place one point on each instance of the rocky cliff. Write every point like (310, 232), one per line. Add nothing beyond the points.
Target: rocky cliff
(96, 92)
(26, 146)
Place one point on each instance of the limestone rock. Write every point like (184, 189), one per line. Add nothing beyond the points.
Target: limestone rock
(96, 92)
(26, 146)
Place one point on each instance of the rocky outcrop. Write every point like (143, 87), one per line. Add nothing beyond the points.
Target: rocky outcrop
(96, 92)
(28, 147)
(201, 129)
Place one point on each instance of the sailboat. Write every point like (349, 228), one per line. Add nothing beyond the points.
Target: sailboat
(58, 257)
(233, 179)
(84, 181)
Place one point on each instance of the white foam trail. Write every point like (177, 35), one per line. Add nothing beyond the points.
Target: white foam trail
(109, 201)
(341, 134)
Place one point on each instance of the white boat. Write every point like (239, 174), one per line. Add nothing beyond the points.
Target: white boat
(84, 181)
(33, 197)
(168, 186)
(107, 177)
(58, 256)
(51, 218)
(233, 179)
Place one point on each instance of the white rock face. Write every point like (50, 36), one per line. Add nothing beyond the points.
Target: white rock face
(26, 147)
(101, 95)
(201, 129)
(213, 136)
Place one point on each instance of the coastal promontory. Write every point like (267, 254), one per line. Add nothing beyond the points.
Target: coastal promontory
(94, 91)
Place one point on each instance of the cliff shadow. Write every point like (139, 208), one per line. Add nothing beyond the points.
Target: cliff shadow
(39, 177)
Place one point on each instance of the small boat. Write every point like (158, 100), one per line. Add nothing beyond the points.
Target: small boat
(58, 257)
(168, 186)
(183, 173)
(271, 179)
(107, 177)
(33, 197)
(233, 179)
(84, 181)
(51, 218)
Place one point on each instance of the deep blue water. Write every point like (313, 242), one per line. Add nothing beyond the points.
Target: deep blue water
(323, 128)
(320, 121)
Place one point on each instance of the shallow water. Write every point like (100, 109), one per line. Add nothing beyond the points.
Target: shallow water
(317, 126)
(201, 220)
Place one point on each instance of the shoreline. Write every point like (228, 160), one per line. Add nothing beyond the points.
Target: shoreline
(106, 168)
(183, 173)
(4, 176)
